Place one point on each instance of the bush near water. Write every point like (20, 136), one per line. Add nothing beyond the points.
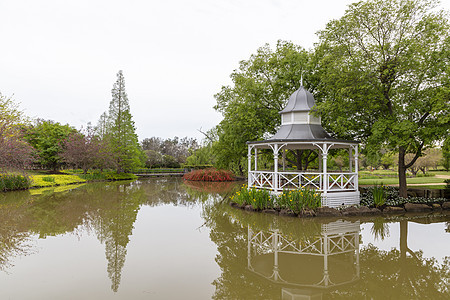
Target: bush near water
(295, 200)
(209, 175)
(11, 182)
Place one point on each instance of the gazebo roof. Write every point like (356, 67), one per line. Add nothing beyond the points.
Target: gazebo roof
(301, 101)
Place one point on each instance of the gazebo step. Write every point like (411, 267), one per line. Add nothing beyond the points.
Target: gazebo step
(340, 198)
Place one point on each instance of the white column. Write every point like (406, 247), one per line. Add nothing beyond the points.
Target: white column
(256, 159)
(320, 161)
(275, 168)
(324, 167)
(356, 167)
(249, 174)
(350, 158)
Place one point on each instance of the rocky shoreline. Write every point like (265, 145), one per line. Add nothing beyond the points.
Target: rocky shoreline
(351, 210)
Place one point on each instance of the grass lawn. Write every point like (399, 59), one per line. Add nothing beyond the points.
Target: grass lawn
(428, 187)
(392, 180)
(379, 172)
(439, 172)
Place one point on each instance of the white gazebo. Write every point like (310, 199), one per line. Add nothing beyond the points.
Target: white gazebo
(301, 130)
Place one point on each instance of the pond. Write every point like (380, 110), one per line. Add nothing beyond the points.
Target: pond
(166, 239)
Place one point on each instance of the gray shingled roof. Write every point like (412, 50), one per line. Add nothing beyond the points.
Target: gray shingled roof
(300, 100)
(300, 132)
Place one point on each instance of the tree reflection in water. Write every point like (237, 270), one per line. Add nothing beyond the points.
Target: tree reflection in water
(249, 268)
(260, 258)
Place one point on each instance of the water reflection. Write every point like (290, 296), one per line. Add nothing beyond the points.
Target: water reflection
(271, 257)
(322, 261)
(254, 255)
(108, 210)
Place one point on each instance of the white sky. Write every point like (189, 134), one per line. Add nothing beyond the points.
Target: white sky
(59, 59)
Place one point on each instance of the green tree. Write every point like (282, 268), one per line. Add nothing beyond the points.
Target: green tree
(384, 77)
(250, 106)
(47, 139)
(120, 130)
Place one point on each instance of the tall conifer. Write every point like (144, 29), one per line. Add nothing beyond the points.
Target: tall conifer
(120, 129)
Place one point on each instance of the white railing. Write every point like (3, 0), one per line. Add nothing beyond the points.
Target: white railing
(294, 180)
(342, 181)
(261, 180)
(297, 180)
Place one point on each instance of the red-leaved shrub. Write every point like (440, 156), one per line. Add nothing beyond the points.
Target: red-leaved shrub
(209, 175)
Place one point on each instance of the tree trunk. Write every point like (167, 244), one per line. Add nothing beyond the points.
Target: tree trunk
(299, 157)
(402, 173)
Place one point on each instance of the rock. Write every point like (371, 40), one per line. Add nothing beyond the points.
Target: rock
(446, 205)
(234, 204)
(270, 211)
(307, 213)
(394, 209)
(436, 206)
(287, 212)
(249, 208)
(327, 212)
(375, 211)
(416, 207)
(351, 211)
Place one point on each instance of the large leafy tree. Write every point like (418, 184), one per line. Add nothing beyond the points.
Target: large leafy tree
(384, 77)
(261, 86)
(47, 139)
(120, 130)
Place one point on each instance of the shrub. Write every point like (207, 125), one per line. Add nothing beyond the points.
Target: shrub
(390, 195)
(392, 198)
(11, 182)
(209, 175)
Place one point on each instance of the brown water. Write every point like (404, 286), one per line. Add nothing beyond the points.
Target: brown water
(163, 239)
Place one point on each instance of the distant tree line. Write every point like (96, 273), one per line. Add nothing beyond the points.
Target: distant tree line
(167, 153)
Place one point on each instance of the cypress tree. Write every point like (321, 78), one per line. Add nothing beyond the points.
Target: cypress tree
(120, 129)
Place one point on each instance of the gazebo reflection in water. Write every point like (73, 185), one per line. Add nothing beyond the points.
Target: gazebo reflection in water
(306, 267)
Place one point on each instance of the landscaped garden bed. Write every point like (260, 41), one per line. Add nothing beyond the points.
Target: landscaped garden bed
(306, 203)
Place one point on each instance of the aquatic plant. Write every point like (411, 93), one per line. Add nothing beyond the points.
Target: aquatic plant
(295, 200)
(209, 175)
(258, 199)
(378, 195)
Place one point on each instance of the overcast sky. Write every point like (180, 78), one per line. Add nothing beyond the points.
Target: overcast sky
(59, 59)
